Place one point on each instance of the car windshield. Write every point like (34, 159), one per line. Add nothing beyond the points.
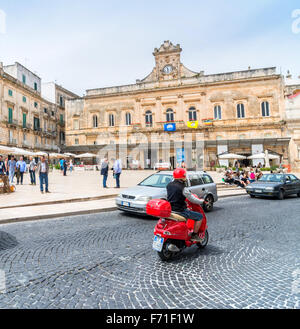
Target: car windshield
(157, 180)
(272, 178)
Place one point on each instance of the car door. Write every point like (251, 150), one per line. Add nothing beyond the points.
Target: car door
(196, 185)
(210, 186)
(288, 185)
(295, 182)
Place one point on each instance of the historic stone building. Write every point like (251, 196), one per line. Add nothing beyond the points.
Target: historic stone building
(292, 118)
(241, 112)
(27, 119)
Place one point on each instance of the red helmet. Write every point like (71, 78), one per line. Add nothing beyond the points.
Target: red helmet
(179, 173)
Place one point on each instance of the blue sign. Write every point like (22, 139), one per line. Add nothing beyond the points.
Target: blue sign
(170, 127)
(180, 155)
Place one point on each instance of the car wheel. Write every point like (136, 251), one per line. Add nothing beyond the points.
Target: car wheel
(252, 196)
(208, 203)
(298, 194)
(281, 195)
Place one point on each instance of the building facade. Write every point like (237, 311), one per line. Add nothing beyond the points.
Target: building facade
(58, 95)
(27, 119)
(175, 109)
(292, 118)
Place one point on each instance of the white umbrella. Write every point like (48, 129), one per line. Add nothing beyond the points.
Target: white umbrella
(18, 151)
(56, 155)
(70, 155)
(263, 156)
(230, 156)
(86, 155)
(5, 150)
(41, 154)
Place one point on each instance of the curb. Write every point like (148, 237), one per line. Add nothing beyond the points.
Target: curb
(77, 213)
(93, 198)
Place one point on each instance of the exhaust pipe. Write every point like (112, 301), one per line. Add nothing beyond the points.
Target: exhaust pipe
(173, 248)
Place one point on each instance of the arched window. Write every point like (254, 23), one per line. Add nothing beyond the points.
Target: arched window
(148, 119)
(95, 121)
(170, 115)
(128, 119)
(192, 114)
(111, 120)
(240, 111)
(265, 109)
(218, 112)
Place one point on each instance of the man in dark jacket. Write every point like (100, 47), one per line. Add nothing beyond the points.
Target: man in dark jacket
(177, 194)
(104, 172)
(2, 166)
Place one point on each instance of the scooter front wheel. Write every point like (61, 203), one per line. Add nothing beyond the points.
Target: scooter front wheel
(204, 242)
(165, 254)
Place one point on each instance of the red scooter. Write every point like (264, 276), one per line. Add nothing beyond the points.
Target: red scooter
(173, 232)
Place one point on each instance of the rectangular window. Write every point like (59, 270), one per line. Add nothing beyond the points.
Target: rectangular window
(36, 105)
(76, 124)
(10, 92)
(61, 118)
(24, 99)
(10, 115)
(36, 124)
(24, 79)
(240, 111)
(24, 120)
(76, 141)
(35, 86)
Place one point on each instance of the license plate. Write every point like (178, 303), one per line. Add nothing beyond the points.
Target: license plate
(158, 243)
(126, 204)
(258, 191)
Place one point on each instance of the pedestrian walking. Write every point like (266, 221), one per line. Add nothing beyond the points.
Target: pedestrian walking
(71, 166)
(65, 165)
(117, 170)
(43, 171)
(61, 163)
(11, 169)
(2, 167)
(32, 169)
(6, 165)
(21, 169)
(104, 172)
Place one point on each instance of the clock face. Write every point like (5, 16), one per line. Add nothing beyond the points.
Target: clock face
(168, 69)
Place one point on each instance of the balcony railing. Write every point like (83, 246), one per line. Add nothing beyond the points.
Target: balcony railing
(12, 142)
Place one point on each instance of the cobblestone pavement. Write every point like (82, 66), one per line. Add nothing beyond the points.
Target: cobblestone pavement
(106, 261)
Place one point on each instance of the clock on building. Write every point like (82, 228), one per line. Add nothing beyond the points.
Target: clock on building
(168, 69)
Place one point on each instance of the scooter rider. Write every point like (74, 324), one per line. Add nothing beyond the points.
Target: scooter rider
(177, 194)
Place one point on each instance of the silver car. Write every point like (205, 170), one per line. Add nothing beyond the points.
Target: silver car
(135, 199)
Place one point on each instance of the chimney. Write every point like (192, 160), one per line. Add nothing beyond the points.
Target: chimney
(288, 76)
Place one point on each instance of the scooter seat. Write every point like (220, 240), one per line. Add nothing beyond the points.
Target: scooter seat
(176, 217)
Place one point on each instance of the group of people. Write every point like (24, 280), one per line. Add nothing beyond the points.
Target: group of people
(17, 168)
(64, 165)
(117, 170)
(243, 178)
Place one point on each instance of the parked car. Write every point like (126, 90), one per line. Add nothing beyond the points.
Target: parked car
(275, 185)
(162, 166)
(135, 199)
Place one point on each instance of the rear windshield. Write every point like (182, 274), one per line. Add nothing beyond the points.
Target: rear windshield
(157, 180)
(272, 178)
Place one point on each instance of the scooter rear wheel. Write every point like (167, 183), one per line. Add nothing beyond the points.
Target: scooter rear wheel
(165, 254)
(204, 243)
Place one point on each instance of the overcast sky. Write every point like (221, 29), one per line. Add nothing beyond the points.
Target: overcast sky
(85, 44)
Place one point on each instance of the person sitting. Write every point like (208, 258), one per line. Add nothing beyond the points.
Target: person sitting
(237, 180)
